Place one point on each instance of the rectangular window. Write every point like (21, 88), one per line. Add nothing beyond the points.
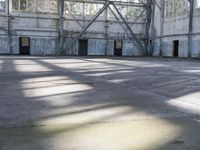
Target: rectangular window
(41, 6)
(15, 4)
(2, 5)
(23, 5)
(197, 4)
(31, 6)
(176, 8)
(53, 6)
(176, 48)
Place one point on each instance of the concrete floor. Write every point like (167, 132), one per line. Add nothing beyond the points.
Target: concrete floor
(77, 103)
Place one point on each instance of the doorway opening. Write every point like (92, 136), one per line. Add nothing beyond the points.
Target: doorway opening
(118, 44)
(24, 45)
(176, 48)
(83, 47)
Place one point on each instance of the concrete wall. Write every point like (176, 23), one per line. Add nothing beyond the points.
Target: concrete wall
(98, 43)
(43, 30)
(3, 34)
(176, 28)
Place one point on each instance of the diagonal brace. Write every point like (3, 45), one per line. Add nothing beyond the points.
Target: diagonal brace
(88, 25)
(119, 21)
(138, 42)
(74, 17)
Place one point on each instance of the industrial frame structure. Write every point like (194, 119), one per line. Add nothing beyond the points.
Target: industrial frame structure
(145, 43)
(147, 6)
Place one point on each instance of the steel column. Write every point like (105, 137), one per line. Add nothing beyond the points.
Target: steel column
(61, 25)
(148, 24)
(191, 12)
(162, 25)
(9, 32)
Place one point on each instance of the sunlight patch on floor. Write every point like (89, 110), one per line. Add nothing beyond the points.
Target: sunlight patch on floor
(29, 66)
(49, 87)
(138, 135)
(189, 103)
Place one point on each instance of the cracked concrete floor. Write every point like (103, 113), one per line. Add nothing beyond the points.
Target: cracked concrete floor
(86, 103)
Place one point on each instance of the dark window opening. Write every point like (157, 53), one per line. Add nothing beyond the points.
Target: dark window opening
(24, 45)
(118, 44)
(83, 48)
(175, 48)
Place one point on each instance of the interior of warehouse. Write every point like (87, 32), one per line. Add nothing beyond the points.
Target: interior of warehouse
(106, 28)
(99, 75)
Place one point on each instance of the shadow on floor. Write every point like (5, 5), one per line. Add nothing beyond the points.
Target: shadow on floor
(82, 103)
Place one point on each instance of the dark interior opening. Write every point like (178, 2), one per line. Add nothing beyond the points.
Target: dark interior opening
(83, 47)
(118, 44)
(176, 48)
(24, 45)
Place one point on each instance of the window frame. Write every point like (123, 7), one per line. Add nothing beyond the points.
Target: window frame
(2, 5)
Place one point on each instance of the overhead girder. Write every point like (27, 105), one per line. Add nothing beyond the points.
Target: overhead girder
(133, 4)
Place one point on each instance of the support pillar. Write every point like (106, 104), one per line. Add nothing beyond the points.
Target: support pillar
(106, 31)
(162, 25)
(148, 25)
(191, 12)
(9, 27)
(61, 26)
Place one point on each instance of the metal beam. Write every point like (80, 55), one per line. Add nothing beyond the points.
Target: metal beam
(119, 21)
(162, 18)
(133, 4)
(137, 17)
(77, 21)
(152, 30)
(9, 30)
(106, 30)
(88, 25)
(138, 42)
(142, 12)
(61, 25)
(191, 12)
(148, 24)
(156, 3)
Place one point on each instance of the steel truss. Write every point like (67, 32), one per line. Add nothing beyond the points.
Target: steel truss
(141, 44)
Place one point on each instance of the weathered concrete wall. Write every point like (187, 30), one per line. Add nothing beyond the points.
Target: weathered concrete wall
(43, 35)
(168, 46)
(4, 45)
(129, 49)
(73, 50)
(110, 48)
(43, 46)
(43, 31)
(98, 43)
(176, 28)
(3, 34)
(196, 36)
(96, 47)
(196, 46)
